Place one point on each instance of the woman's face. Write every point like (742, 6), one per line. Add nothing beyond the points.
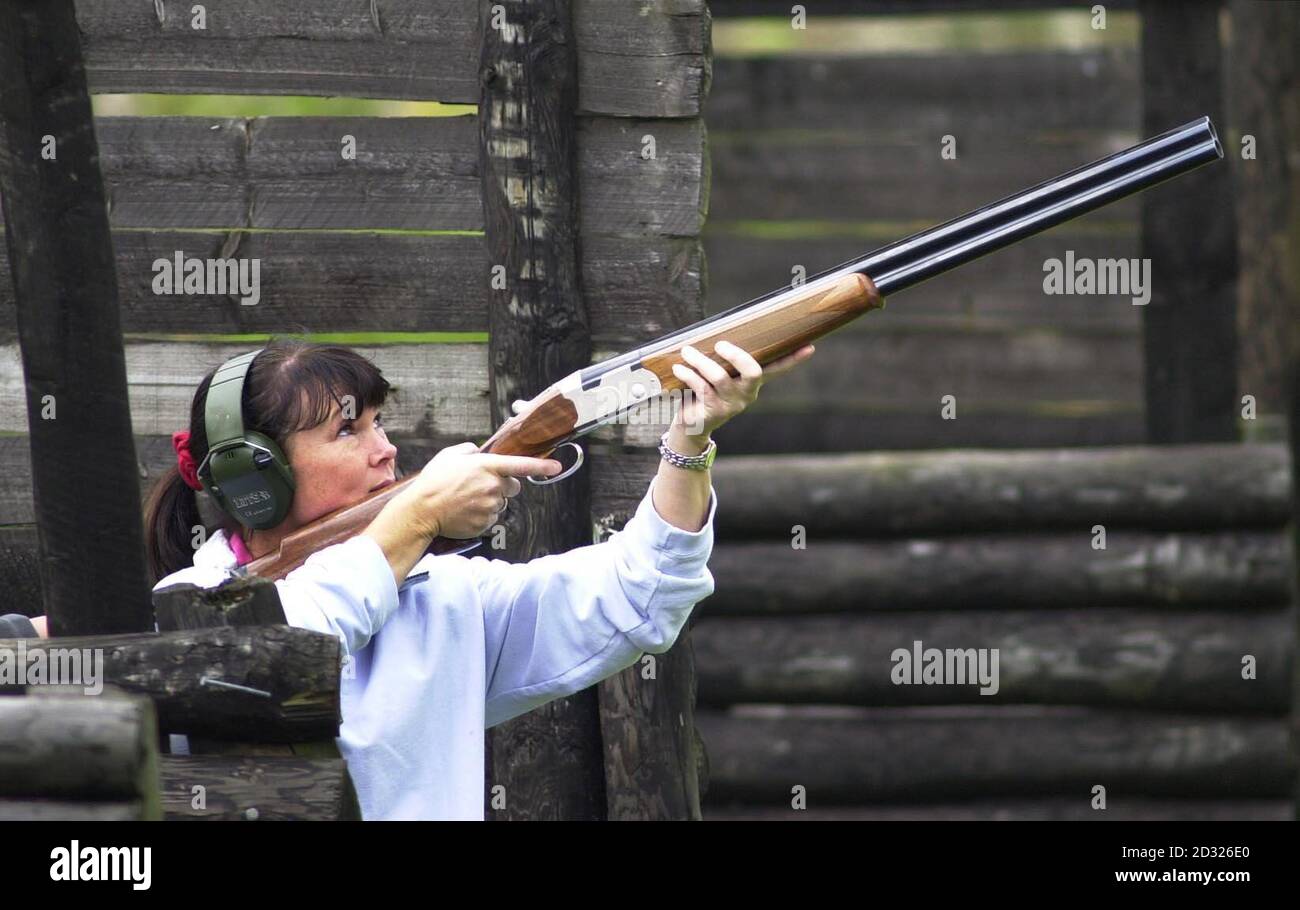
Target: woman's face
(338, 463)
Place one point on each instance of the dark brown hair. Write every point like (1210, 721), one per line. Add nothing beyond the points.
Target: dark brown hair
(274, 403)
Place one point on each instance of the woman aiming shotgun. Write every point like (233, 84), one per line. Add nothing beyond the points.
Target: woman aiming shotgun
(442, 647)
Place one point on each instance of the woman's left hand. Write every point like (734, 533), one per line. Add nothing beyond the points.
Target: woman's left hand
(718, 396)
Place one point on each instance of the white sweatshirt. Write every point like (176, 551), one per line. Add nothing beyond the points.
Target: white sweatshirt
(469, 642)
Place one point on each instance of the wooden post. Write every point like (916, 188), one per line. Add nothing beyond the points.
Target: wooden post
(549, 761)
(1264, 98)
(1189, 233)
(1292, 380)
(84, 470)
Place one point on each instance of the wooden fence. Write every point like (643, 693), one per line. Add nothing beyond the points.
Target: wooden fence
(1122, 665)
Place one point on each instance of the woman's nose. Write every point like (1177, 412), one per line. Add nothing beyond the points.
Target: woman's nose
(385, 448)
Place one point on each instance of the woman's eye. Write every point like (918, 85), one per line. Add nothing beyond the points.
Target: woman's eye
(379, 422)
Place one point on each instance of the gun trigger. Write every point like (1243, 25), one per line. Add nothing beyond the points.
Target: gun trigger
(577, 464)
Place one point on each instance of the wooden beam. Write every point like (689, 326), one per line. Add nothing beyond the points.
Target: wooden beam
(297, 669)
(729, 9)
(1197, 488)
(256, 788)
(549, 761)
(61, 258)
(1150, 660)
(1189, 232)
(847, 756)
(990, 810)
(637, 60)
(65, 747)
(1233, 570)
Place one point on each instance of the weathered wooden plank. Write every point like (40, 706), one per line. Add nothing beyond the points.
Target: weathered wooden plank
(1190, 326)
(441, 389)
(45, 810)
(848, 174)
(767, 432)
(263, 788)
(741, 8)
(851, 756)
(73, 382)
(647, 61)
(442, 386)
(1236, 569)
(1166, 488)
(1079, 809)
(300, 670)
(877, 366)
(1056, 92)
(1004, 290)
(634, 289)
(1123, 658)
(67, 747)
(410, 173)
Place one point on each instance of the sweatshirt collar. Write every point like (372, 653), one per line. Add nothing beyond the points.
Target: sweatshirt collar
(216, 553)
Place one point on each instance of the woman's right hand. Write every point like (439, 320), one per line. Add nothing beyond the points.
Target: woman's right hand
(460, 492)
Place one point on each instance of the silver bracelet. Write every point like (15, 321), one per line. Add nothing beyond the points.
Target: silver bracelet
(699, 462)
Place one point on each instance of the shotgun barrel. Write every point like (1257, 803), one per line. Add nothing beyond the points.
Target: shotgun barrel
(933, 251)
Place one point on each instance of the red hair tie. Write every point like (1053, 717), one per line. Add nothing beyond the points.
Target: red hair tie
(185, 461)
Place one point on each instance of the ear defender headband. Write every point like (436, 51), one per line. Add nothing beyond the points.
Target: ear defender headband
(245, 472)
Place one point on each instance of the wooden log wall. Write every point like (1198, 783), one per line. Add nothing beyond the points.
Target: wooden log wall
(1119, 667)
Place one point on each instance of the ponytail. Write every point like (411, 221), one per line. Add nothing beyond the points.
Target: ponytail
(170, 515)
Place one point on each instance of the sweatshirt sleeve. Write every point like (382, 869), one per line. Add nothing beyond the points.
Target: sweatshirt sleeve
(558, 624)
(346, 590)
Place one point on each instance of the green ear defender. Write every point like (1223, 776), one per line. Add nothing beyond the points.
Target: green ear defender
(245, 472)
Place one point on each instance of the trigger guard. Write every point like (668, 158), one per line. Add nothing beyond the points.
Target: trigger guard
(577, 464)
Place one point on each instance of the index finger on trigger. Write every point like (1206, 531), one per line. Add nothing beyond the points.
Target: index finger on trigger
(523, 466)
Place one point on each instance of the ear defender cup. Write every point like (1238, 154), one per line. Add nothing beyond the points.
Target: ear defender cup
(245, 472)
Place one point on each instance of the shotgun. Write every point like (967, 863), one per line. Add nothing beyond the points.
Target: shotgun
(784, 320)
